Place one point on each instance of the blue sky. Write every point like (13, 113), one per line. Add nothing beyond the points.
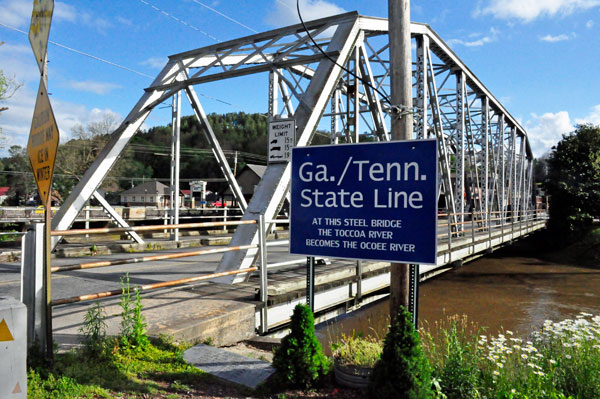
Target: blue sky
(540, 58)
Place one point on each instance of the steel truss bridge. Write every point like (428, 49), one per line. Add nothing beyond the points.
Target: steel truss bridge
(485, 160)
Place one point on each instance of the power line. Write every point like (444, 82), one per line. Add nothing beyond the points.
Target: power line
(115, 64)
(180, 21)
(286, 4)
(224, 16)
(364, 81)
(82, 53)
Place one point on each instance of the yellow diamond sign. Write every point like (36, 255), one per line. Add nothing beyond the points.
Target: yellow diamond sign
(39, 29)
(43, 142)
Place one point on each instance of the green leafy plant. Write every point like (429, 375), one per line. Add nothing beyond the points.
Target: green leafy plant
(133, 324)
(299, 360)
(454, 352)
(94, 329)
(357, 350)
(403, 371)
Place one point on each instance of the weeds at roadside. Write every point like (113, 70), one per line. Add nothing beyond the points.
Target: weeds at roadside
(133, 323)
(108, 367)
(94, 330)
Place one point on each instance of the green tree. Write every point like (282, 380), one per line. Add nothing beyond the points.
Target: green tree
(17, 168)
(403, 370)
(573, 182)
(299, 360)
(540, 168)
(77, 155)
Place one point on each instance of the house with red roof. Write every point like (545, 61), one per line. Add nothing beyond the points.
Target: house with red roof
(4, 193)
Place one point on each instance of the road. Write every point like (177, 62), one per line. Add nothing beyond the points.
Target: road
(79, 282)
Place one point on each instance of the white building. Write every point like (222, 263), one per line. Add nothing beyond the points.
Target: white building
(151, 193)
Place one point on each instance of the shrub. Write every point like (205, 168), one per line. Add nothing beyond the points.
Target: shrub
(403, 371)
(357, 350)
(299, 360)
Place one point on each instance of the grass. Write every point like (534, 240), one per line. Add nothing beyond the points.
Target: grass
(156, 371)
(357, 350)
(561, 360)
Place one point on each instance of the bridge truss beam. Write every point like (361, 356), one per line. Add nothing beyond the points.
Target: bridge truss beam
(485, 159)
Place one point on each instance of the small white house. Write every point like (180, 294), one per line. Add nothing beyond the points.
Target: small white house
(151, 193)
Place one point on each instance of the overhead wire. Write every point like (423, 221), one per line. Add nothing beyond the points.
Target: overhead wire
(115, 64)
(181, 21)
(224, 16)
(83, 53)
(363, 80)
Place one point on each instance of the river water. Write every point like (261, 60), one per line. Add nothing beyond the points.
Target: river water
(509, 289)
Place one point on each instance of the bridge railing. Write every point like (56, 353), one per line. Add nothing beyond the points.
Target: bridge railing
(457, 235)
(136, 213)
(34, 285)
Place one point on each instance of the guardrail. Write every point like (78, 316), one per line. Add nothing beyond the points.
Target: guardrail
(33, 282)
(96, 214)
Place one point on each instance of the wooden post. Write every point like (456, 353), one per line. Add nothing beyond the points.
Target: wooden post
(402, 120)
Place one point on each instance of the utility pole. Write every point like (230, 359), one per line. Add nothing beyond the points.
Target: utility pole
(402, 120)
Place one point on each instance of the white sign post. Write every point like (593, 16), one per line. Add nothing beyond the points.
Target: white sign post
(13, 349)
(282, 138)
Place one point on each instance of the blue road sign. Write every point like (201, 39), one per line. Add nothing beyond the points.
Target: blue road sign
(372, 201)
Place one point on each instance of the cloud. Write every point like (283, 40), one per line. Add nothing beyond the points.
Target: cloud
(552, 39)
(17, 13)
(528, 10)
(92, 21)
(155, 62)
(64, 11)
(593, 117)
(68, 115)
(16, 121)
(546, 130)
(476, 39)
(285, 13)
(8, 48)
(124, 21)
(93, 87)
(18, 62)
(589, 24)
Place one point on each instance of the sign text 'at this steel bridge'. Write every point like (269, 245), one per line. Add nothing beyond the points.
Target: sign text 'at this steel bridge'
(485, 159)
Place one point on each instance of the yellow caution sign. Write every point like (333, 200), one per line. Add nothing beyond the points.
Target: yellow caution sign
(43, 142)
(39, 29)
(5, 334)
(17, 389)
